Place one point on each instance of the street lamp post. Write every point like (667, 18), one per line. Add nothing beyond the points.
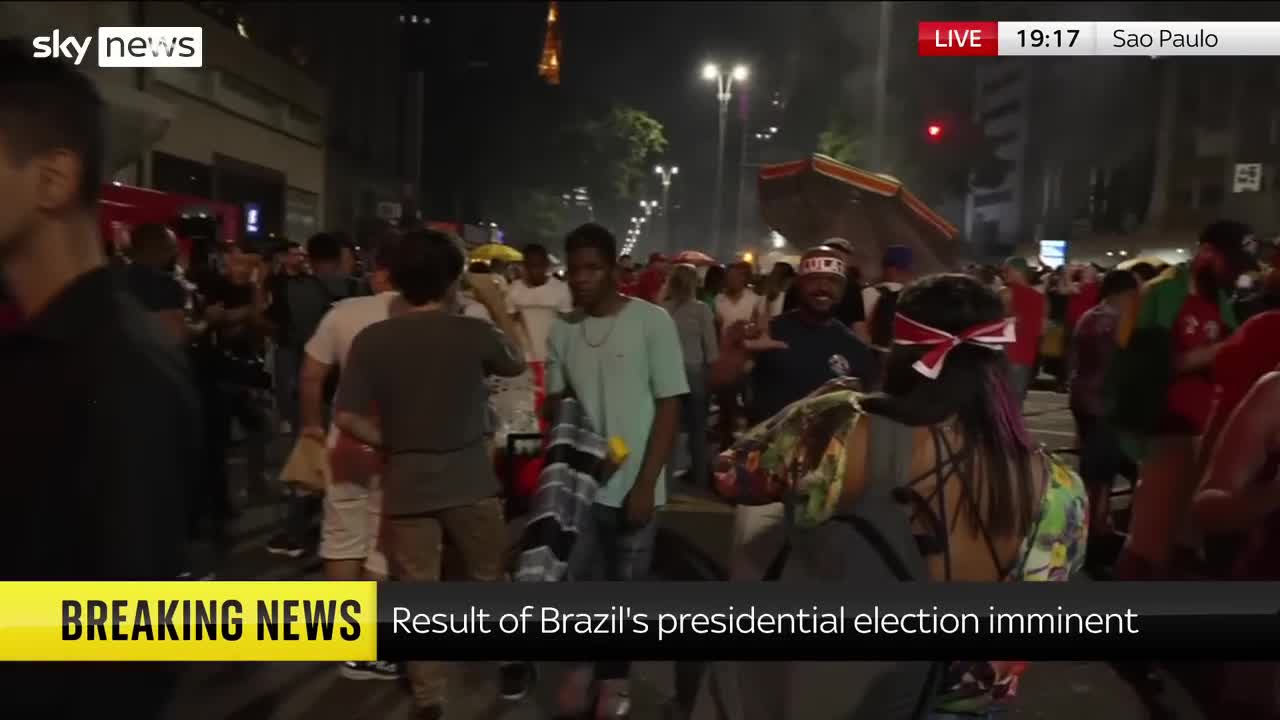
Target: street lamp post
(633, 235)
(724, 90)
(882, 88)
(666, 174)
(742, 175)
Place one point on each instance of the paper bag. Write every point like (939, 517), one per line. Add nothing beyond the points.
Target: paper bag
(308, 466)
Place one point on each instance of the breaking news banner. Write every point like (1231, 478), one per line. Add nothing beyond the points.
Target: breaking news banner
(337, 621)
(187, 621)
(1053, 38)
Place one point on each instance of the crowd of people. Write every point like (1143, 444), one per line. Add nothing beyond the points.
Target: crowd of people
(866, 430)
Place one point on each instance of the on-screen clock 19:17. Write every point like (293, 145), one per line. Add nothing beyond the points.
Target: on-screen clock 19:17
(1065, 39)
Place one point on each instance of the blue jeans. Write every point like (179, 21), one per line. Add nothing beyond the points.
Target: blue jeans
(614, 552)
(693, 415)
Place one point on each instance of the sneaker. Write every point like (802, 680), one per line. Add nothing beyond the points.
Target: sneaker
(377, 670)
(516, 679)
(282, 544)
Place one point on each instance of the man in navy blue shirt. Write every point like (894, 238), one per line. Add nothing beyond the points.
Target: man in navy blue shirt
(802, 350)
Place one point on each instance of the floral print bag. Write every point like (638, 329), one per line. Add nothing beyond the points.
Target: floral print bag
(799, 456)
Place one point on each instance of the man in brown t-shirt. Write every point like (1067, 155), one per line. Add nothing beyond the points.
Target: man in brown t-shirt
(414, 387)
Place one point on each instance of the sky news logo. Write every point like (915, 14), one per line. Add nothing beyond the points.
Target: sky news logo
(127, 47)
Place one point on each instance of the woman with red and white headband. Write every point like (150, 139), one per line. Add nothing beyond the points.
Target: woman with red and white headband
(933, 479)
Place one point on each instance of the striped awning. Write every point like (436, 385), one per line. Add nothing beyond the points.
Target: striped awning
(817, 198)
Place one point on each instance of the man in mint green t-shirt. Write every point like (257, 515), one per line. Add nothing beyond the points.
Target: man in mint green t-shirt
(621, 358)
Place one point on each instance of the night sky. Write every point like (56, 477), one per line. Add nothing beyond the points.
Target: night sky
(648, 55)
(819, 58)
(492, 114)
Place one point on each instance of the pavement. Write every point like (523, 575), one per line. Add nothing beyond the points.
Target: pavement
(315, 691)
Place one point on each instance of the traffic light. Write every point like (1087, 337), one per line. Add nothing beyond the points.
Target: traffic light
(934, 131)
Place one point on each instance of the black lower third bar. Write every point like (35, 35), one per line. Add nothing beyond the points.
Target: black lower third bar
(756, 621)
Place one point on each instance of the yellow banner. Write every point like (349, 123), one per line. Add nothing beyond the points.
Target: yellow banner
(188, 621)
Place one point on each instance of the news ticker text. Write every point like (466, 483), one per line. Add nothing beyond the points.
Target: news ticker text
(1056, 38)
(313, 621)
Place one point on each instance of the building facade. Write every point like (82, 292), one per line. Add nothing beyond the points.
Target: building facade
(993, 216)
(1121, 156)
(246, 128)
(1225, 114)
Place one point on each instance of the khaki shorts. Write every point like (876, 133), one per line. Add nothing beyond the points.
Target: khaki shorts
(351, 525)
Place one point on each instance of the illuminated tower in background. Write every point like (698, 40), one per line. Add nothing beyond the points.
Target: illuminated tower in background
(549, 65)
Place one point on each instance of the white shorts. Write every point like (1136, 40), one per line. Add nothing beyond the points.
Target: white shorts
(349, 529)
(352, 520)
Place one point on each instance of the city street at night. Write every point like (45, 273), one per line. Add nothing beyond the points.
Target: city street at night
(613, 331)
(315, 691)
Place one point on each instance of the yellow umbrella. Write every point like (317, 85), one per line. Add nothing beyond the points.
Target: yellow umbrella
(490, 252)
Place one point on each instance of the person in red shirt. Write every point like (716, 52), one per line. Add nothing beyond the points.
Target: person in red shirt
(1239, 495)
(1086, 296)
(626, 276)
(1028, 307)
(1251, 352)
(649, 286)
(1195, 297)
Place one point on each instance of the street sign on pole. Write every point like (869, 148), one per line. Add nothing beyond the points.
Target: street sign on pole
(1248, 178)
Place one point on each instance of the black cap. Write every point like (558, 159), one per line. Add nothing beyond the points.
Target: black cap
(1232, 239)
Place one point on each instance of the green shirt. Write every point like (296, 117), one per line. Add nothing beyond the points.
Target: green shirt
(619, 367)
(1141, 371)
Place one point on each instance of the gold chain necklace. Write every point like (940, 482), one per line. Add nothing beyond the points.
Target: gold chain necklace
(608, 333)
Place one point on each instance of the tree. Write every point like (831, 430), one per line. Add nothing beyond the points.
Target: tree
(612, 156)
(843, 139)
(535, 215)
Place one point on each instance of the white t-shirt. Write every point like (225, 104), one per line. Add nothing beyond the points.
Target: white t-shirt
(743, 309)
(538, 308)
(339, 327)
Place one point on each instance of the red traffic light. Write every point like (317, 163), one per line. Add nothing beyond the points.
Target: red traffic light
(934, 131)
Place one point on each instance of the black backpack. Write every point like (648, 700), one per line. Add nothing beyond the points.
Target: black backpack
(881, 320)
